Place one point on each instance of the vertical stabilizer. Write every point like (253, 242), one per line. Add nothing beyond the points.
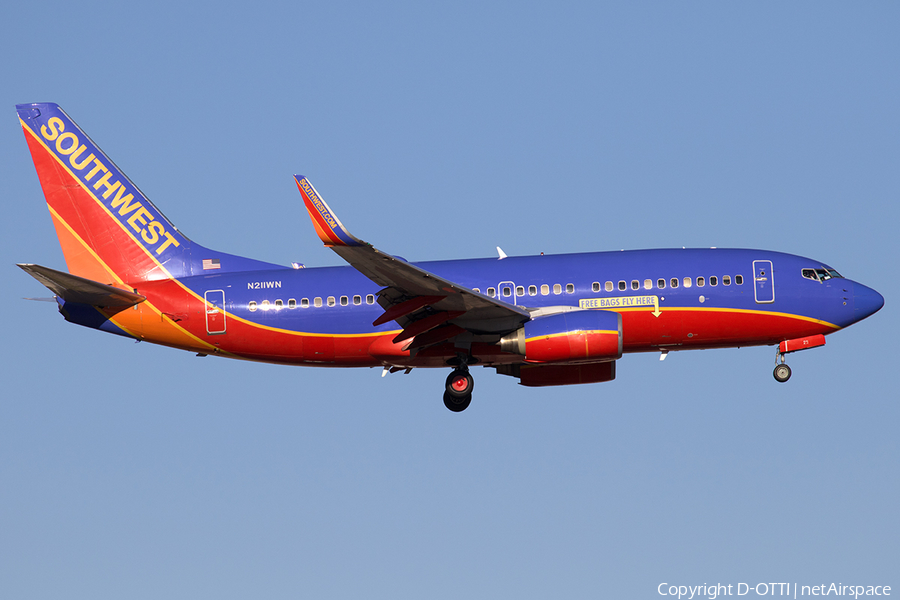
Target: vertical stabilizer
(109, 230)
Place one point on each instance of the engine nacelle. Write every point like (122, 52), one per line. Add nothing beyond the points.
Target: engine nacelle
(532, 375)
(576, 337)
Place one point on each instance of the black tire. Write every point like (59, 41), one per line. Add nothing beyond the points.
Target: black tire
(457, 404)
(459, 384)
(782, 373)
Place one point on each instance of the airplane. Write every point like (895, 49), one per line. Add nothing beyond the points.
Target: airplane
(546, 320)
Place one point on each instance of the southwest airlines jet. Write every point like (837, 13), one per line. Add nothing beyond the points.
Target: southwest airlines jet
(545, 320)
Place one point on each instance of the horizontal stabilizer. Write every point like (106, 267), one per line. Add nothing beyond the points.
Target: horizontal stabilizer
(79, 290)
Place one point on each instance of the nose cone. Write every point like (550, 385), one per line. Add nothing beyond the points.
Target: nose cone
(866, 301)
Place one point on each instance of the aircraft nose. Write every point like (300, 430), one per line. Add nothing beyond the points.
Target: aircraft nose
(866, 301)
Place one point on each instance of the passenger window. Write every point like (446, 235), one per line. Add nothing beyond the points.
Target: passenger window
(304, 303)
(252, 306)
(507, 291)
(317, 302)
(545, 289)
(331, 301)
(476, 290)
(595, 287)
(532, 290)
(726, 280)
(557, 289)
(701, 282)
(622, 286)
(648, 284)
(370, 299)
(609, 286)
(635, 284)
(491, 292)
(292, 303)
(713, 281)
(570, 288)
(661, 284)
(673, 282)
(345, 300)
(520, 291)
(279, 304)
(357, 300)
(687, 282)
(264, 305)
(739, 280)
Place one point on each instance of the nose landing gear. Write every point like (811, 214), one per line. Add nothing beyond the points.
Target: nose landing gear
(782, 372)
(458, 394)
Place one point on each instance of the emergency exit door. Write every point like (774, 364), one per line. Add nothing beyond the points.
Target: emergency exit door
(506, 291)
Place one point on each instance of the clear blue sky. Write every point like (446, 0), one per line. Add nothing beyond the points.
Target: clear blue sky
(442, 131)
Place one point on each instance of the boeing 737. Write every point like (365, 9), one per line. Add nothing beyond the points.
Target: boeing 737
(545, 320)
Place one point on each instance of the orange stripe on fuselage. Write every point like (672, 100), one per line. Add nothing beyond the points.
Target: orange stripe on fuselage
(99, 247)
(147, 320)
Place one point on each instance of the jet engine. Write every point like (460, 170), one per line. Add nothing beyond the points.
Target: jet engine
(576, 337)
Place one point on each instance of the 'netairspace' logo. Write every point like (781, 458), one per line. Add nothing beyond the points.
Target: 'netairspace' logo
(793, 590)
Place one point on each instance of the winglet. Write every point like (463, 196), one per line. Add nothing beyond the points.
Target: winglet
(328, 226)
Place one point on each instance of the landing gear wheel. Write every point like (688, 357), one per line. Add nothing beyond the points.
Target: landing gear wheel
(460, 383)
(457, 404)
(458, 393)
(782, 373)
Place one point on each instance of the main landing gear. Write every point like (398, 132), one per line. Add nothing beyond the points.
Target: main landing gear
(458, 394)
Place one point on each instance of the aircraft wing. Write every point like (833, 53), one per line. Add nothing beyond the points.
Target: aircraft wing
(431, 309)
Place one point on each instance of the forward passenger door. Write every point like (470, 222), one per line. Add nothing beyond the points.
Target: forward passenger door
(763, 282)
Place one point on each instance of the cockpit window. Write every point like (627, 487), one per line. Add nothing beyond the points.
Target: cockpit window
(821, 274)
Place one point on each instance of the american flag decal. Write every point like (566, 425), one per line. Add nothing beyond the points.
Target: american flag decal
(211, 263)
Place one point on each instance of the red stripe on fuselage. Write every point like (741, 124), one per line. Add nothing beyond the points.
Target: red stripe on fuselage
(254, 341)
(705, 328)
(713, 328)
